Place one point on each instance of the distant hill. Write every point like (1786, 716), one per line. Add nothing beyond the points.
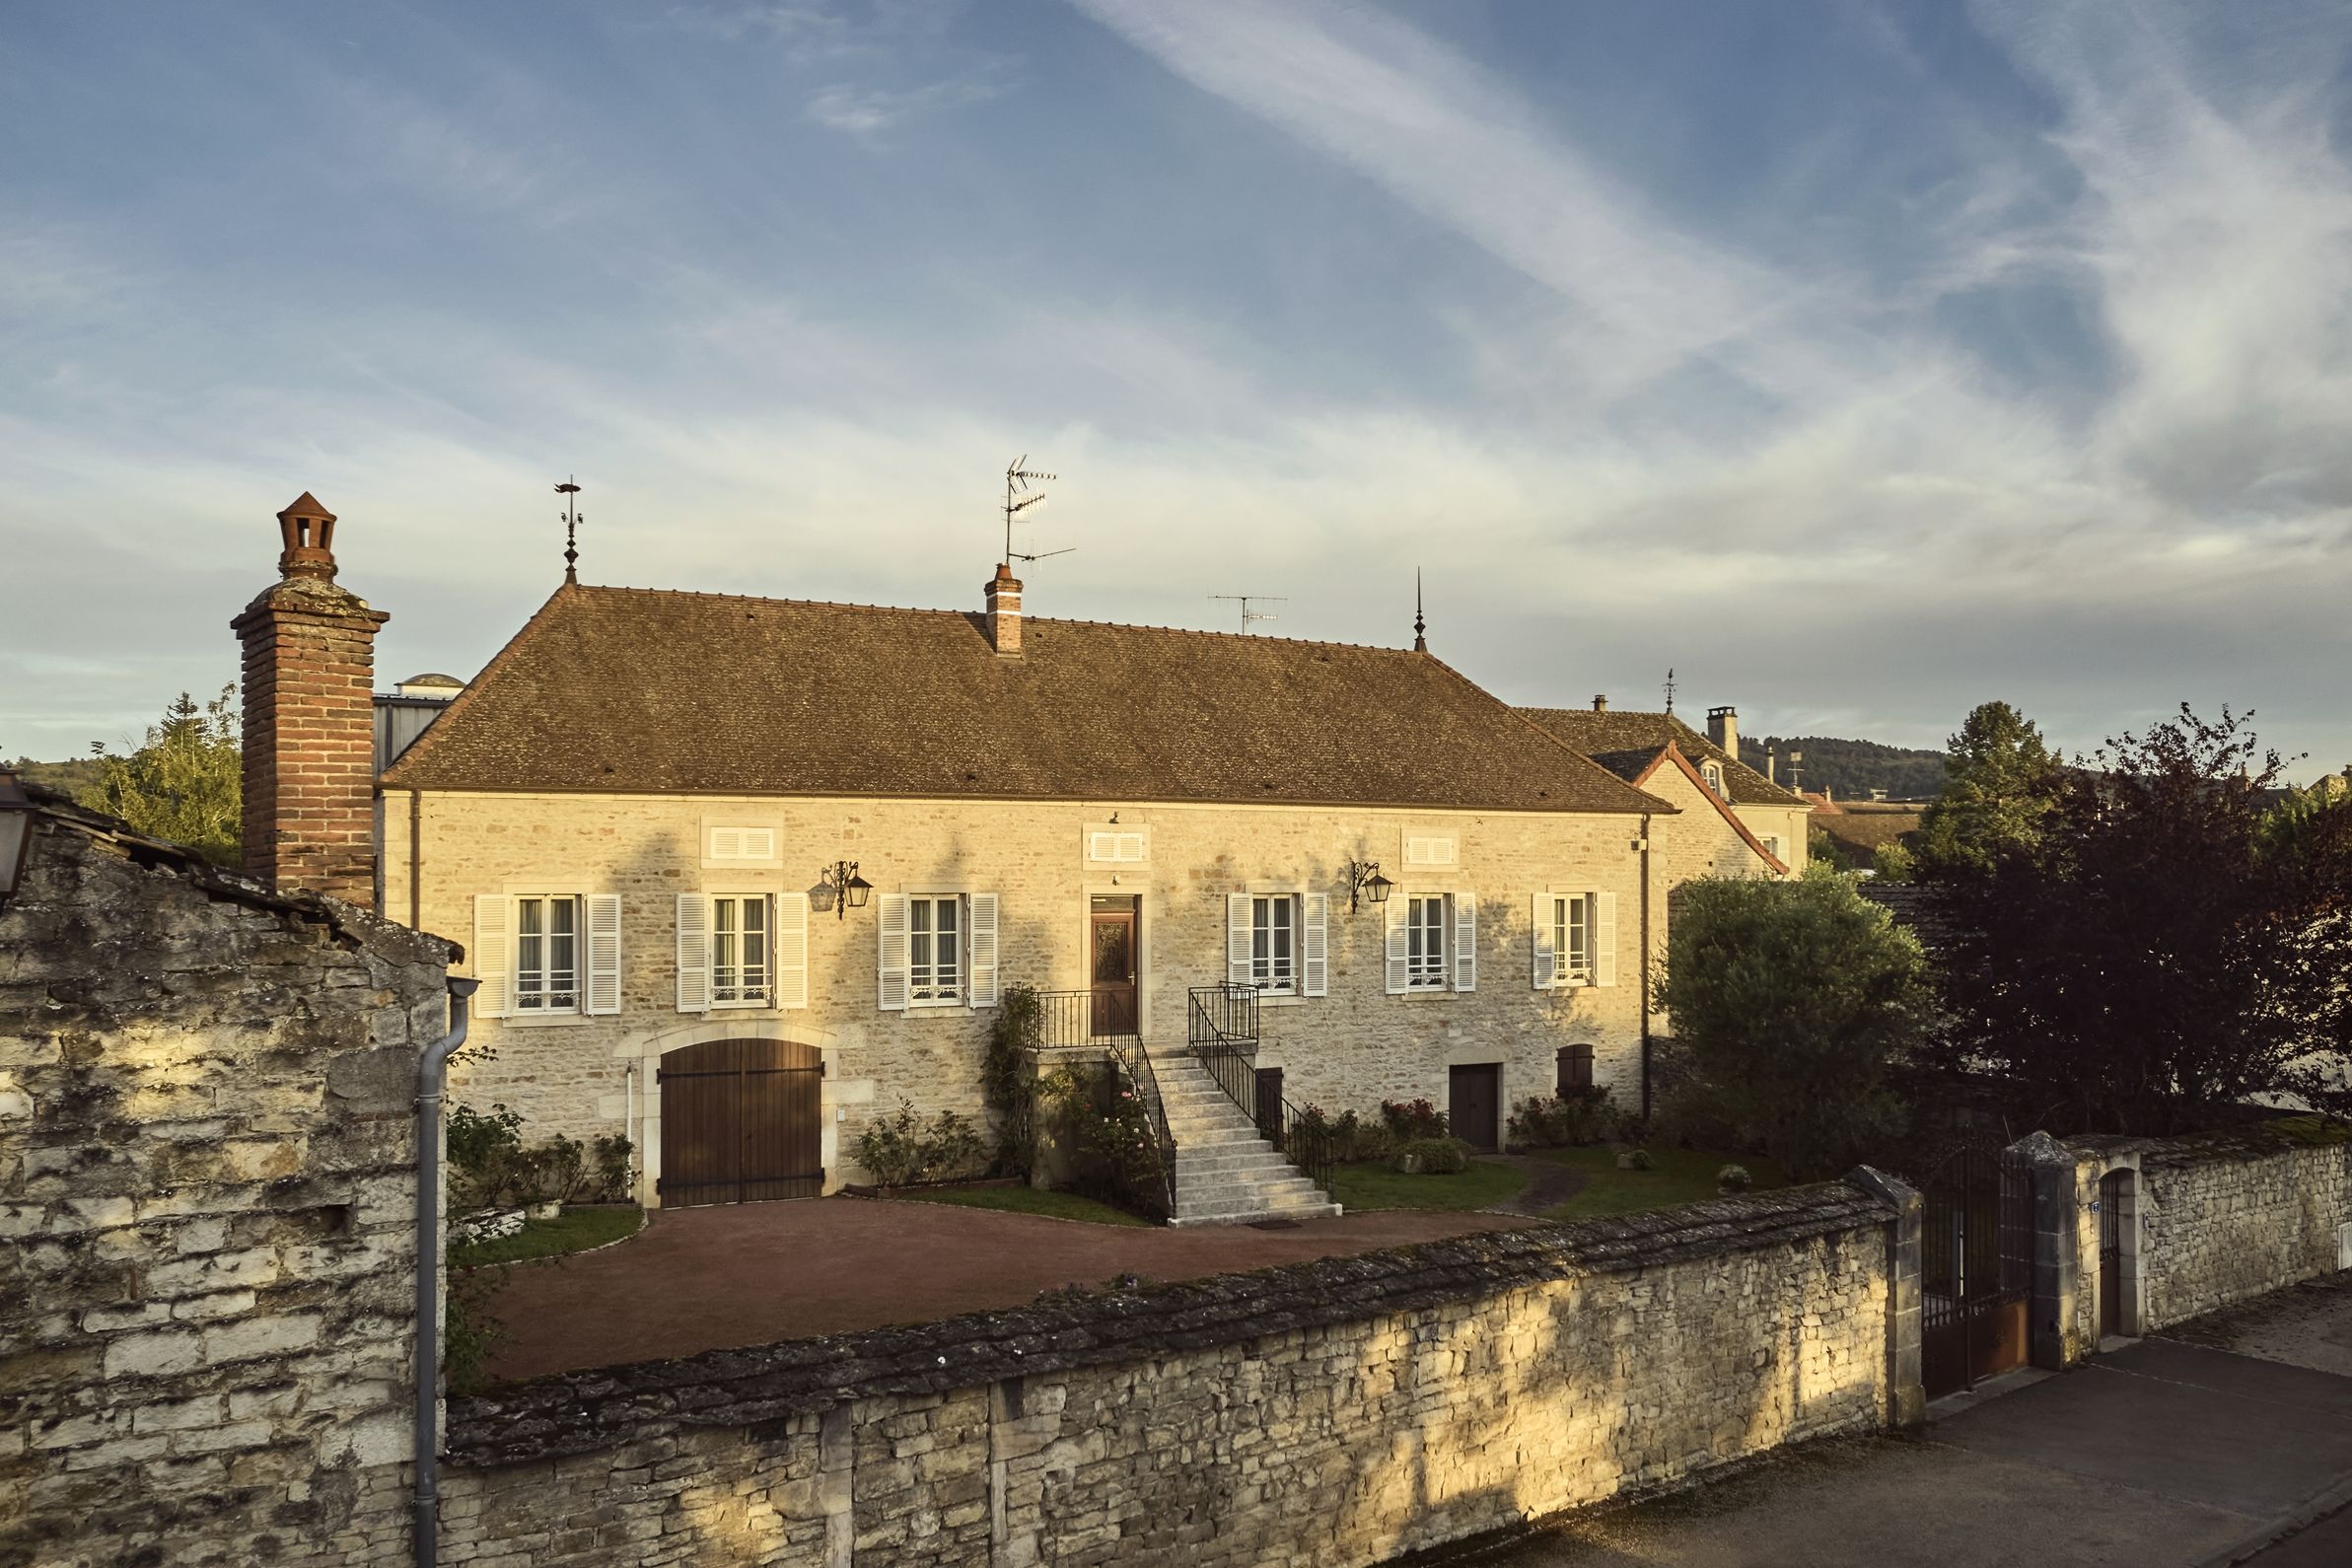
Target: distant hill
(1851, 769)
(77, 777)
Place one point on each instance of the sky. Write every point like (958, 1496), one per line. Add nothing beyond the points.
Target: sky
(1858, 361)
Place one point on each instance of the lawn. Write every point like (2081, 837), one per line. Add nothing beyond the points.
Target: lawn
(1027, 1200)
(1675, 1175)
(573, 1231)
(1371, 1185)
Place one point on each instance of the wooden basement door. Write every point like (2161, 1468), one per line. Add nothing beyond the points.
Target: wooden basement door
(743, 1121)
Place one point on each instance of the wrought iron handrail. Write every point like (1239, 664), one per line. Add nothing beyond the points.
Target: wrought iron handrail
(1135, 1061)
(1074, 1018)
(1305, 1141)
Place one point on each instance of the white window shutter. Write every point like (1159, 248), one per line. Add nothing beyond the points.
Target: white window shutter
(604, 953)
(1465, 942)
(1314, 966)
(890, 927)
(982, 929)
(1101, 845)
(1399, 954)
(1547, 959)
(791, 937)
(1237, 939)
(759, 844)
(493, 958)
(1604, 939)
(694, 952)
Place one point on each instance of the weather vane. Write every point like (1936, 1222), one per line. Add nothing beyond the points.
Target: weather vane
(1018, 499)
(1669, 689)
(1420, 626)
(571, 531)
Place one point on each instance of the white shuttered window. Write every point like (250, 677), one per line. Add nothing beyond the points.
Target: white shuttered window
(1582, 930)
(937, 950)
(547, 955)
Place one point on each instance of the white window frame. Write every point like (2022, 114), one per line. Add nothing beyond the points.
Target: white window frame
(1560, 916)
(1425, 912)
(547, 903)
(936, 995)
(1264, 927)
(1711, 772)
(745, 994)
(1771, 843)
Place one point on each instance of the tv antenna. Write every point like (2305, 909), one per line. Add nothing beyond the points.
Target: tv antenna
(1249, 616)
(572, 519)
(1019, 477)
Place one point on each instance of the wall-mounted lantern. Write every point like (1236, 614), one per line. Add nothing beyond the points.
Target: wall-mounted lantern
(847, 890)
(15, 834)
(1364, 880)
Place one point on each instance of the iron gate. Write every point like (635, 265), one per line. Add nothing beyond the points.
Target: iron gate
(741, 1122)
(2111, 1189)
(1975, 1269)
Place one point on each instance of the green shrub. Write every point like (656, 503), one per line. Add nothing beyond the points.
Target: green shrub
(1409, 1120)
(486, 1162)
(616, 1170)
(1008, 1077)
(1560, 1121)
(901, 1151)
(1432, 1157)
(1734, 1178)
(1354, 1138)
(1635, 1160)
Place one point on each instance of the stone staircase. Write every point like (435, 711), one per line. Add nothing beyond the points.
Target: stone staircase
(1226, 1174)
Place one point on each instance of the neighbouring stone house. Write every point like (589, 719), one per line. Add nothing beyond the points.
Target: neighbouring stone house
(642, 815)
(208, 1203)
(1736, 823)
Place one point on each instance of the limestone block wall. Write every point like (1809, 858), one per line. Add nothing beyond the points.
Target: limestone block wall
(2227, 1217)
(1329, 1413)
(1350, 1049)
(207, 1235)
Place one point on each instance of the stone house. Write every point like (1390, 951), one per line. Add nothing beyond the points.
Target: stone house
(744, 874)
(1736, 822)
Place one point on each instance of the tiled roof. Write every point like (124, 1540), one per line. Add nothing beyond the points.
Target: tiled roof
(1673, 754)
(1625, 742)
(637, 689)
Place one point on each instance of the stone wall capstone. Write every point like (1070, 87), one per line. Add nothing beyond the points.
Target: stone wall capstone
(207, 1199)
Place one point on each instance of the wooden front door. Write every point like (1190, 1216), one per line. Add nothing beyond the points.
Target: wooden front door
(1475, 1105)
(742, 1123)
(1113, 976)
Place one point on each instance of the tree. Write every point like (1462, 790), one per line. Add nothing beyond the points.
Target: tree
(1794, 1004)
(1999, 782)
(185, 784)
(2162, 949)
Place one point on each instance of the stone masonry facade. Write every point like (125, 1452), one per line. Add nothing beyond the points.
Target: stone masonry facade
(1329, 1413)
(207, 1198)
(1350, 1049)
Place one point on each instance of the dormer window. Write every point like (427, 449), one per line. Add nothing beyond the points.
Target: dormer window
(1712, 772)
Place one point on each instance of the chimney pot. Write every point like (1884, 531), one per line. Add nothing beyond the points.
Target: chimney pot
(1004, 612)
(1601, 702)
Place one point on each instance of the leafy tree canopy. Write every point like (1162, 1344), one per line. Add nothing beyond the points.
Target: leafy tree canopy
(2160, 949)
(185, 784)
(2000, 782)
(1794, 1003)
(1848, 769)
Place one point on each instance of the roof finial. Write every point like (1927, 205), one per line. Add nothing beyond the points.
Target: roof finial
(1669, 689)
(571, 531)
(1420, 626)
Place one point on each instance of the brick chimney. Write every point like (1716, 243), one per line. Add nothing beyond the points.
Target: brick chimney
(1723, 728)
(309, 663)
(1004, 612)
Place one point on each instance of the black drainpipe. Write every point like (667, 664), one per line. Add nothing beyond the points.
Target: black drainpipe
(1645, 967)
(431, 1071)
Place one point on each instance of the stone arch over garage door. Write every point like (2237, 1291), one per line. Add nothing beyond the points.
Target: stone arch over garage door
(743, 1121)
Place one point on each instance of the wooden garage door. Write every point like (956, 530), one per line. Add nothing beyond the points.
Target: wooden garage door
(742, 1123)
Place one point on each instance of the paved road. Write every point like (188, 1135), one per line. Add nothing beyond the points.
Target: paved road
(2161, 1454)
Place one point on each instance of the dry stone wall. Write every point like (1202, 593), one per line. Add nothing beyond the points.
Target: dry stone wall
(2231, 1216)
(207, 1210)
(1337, 1412)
